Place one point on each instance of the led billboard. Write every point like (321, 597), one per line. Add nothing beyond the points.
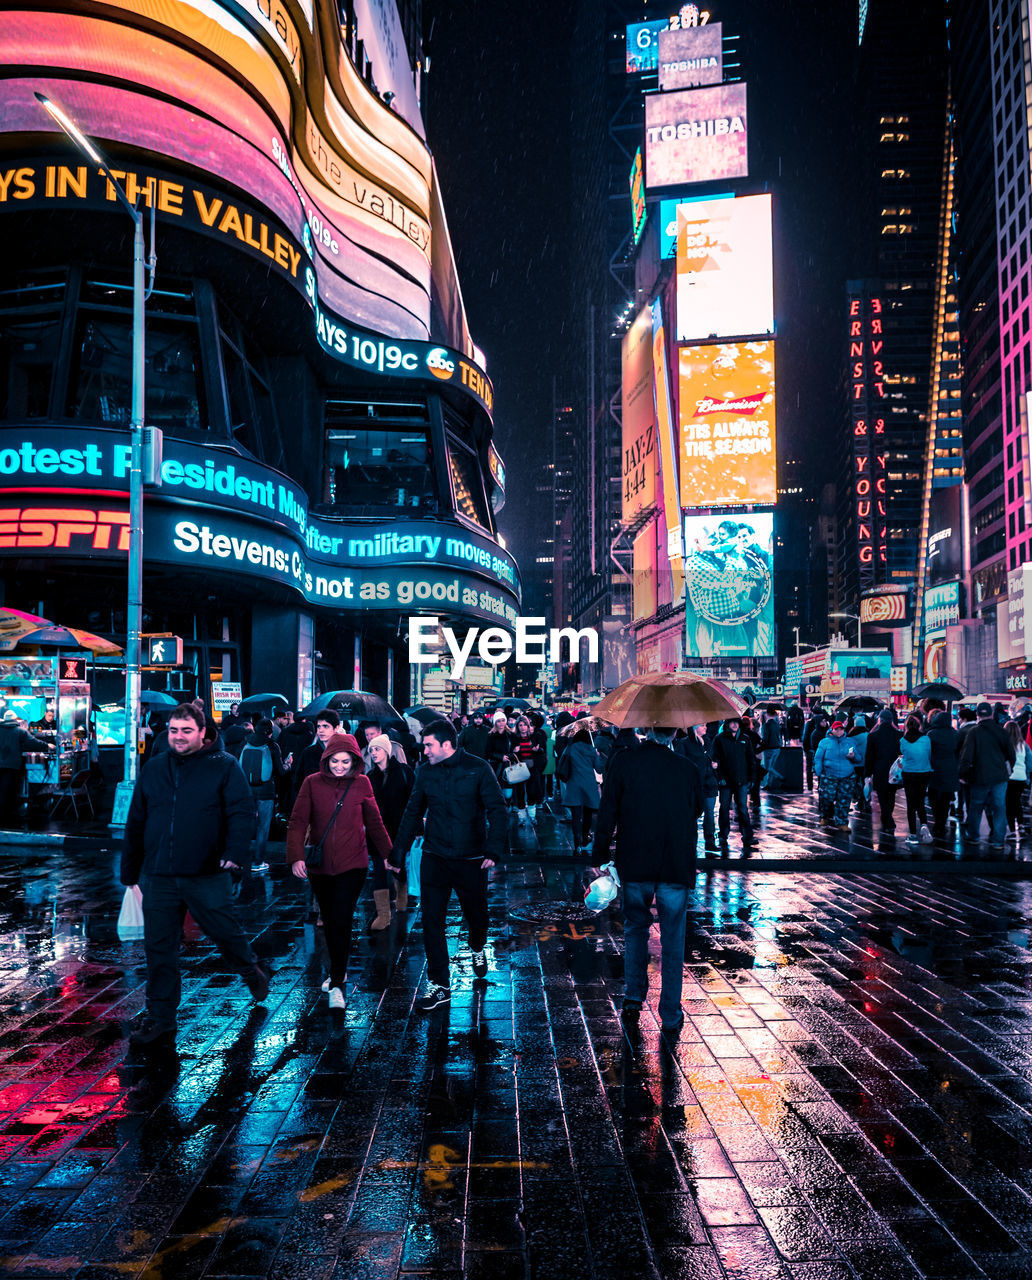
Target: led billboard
(941, 607)
(637, 181)
(729, 571)
(668, 219)
(945, 555)
(638, 418)
(696, 135)
(691, 56)
(725, 271)
(727, 433)
(643, 45)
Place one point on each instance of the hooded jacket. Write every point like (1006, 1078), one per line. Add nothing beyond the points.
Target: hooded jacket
(188, 813)
(357, 825)
(735, 756)
(832, 759)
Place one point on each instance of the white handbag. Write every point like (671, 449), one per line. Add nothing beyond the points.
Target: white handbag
(516, 773)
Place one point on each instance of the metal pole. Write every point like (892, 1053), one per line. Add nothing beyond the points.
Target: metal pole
(859, 633)
(134, 610)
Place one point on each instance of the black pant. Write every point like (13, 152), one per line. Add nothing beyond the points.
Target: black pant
(941, 801)
(437, 878)
(915, 787)
(10, 792)
(337, 896)
(166, 900)
(740, 796)
(1015, 794)
(886, 794)
(580, 823)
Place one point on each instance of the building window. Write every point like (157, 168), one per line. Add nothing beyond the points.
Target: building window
(376, 467)
(30, 329)
(467, 482)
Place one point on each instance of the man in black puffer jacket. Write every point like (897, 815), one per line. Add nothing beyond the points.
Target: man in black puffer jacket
(191, 818)
(466, 833)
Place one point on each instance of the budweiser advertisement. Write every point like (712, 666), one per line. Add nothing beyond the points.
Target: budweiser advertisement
(725, 277)
(727, 425)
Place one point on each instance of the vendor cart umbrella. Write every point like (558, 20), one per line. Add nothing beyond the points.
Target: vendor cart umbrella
(18, 628)
(355, 704)
(670, 700)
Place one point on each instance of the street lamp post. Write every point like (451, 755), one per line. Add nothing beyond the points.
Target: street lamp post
(855, 617)
(134, 609)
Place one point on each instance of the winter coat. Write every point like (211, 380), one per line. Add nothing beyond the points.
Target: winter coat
(263, 790)
(474, 739)
(770, 737)
(699, 754)
(882, 750)
(945, 754)
(187, 814)
(917, 755)
(549, 753)
(391, 789)
(14, 742)
(652, 799)
(987, 755)
(736, 758)
(461, 805)
(357, 826)
(857, 739)
(580, 787)
(832, 759)
(815, 730)
(499, 747)
(1020, 772)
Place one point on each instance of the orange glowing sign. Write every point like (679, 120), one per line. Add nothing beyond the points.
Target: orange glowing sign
(727, 436)
(71, 528)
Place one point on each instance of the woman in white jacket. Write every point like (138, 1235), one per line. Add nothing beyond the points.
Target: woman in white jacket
(1021, 772)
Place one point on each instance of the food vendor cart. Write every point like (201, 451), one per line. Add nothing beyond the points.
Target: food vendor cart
(32, 687)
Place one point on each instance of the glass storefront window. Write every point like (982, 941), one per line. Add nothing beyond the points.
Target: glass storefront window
(467, 482)
(377, 468)
(30, 331)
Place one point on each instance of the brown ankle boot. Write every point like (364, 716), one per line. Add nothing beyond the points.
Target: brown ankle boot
(382, 899)
(401, 900)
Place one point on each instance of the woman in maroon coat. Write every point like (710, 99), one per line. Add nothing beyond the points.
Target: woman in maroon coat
(338, 882)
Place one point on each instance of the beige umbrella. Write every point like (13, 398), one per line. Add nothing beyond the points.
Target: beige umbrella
(593, 724)
(660, 699)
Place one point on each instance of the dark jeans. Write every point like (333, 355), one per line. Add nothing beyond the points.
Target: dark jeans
(886, 794)
(581, 818)
(993, 799)
(10, 792)
(940, 802)
(261, 838)
(672, 908)
(709, 822)
(337, 896)
(437, 878)
(166, 900)
(1015, 792)
(915, 788)
(740, 795)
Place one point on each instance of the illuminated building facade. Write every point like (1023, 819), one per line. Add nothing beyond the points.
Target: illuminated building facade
(328, 464)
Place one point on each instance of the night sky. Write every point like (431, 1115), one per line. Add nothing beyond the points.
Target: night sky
(498, 110)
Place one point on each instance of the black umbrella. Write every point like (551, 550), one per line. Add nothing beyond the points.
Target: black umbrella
(355, 704)
(424, 715)
(862, 702)
(939, 689)
(517, 704)
(263, 702)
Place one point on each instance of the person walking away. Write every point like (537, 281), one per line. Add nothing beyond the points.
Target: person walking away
(652, 800)
(577, 770)
(326, 725)
(696, 749)
(335, 809)
(458, 799)
(834, 766)
(943, 785)
(528, 750)
(753, 789)
(549, 771)
(736, 761)
(816, 728)
(392, 785)
(882, 752)
(916, 751)
(190, 823)
(239, 732)
(966, 720)
(14, 742)
(473, 738)
(794, 723)
(770, 740)
(856, 736)
(262, 763)
(986, 759)
(1018, 780)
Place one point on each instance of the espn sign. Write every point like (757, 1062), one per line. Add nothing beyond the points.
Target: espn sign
(78, 528)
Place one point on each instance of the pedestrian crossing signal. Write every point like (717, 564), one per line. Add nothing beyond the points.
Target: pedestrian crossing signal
(164, 651)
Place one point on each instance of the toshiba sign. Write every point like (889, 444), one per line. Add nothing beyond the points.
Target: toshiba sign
(696, 135)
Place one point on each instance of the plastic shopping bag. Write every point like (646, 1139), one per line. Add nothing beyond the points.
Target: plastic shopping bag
(602, 891)
(412, 864)
(130, 918)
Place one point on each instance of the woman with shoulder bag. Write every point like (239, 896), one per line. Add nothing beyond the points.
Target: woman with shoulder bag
(529, 751)
(581, 768)
(392, 785)
(498, 752)
(333, 822)
(1021, 772)
(916, 754)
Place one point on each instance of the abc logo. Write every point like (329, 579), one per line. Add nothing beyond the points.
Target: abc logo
(439, 365)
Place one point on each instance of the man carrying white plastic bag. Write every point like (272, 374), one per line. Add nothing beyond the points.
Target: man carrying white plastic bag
(652, 799)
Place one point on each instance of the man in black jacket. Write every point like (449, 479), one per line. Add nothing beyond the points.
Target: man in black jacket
(735, 758)
(465, 834)
(307, 762)
(986, 759)
(652, 799)
(14, 742)
(191, 820)
(882, 751)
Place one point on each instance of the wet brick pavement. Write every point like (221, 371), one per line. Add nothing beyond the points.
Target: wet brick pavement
(851, 1095)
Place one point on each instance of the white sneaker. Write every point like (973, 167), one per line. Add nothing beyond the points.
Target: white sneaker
(911, 839)
(336, 998)
(926, 835)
